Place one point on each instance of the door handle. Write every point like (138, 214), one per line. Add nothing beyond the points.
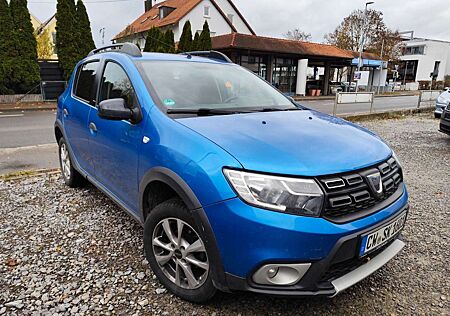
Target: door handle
(65, 113)
(92, 127)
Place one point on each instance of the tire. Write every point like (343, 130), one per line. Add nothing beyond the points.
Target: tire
(169, 255)
(71, 176)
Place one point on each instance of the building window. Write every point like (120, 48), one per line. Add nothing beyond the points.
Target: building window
(230, 17)
(206, 11)
(436, 68)
(407, 71)
(414, 50)
(165, 11)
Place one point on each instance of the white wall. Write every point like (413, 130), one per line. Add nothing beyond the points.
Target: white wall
(238, 23)
(379, 77)
(434, 51)
(217, 24)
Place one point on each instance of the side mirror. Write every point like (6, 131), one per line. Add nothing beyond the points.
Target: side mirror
(115, 110)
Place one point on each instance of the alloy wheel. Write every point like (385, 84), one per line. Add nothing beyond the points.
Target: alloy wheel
(65, 161)
(180, 253)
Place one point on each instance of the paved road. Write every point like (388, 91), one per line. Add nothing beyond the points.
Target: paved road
(27, 140)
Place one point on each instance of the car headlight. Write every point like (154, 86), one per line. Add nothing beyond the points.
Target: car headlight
(288, 195)
(442, 99)
(394, 155)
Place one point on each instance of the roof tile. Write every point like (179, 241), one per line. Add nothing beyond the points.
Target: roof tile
(269, 44)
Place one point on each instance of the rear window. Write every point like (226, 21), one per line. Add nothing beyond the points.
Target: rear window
(85, 80)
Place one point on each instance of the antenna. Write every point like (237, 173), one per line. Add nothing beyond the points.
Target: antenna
(102, 34)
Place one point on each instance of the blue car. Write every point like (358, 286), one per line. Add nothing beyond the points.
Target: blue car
(238, 188)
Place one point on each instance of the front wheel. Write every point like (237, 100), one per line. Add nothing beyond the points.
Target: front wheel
(71, 176)
(176, 252)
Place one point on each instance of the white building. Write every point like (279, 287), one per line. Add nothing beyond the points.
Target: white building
(421, 58)
(222, 16)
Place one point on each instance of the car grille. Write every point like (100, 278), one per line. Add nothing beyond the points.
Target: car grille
(350, 194)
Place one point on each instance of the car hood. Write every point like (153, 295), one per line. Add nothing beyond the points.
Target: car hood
(306, 143)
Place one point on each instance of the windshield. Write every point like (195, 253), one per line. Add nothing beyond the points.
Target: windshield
(195, 85)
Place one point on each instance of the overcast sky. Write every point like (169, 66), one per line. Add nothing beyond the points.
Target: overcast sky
(428, 18)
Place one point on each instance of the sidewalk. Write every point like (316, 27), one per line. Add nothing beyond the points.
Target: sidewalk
(27, 106)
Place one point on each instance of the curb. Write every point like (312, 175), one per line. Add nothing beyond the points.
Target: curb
(28, 174)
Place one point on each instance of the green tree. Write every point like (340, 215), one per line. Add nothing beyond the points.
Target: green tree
(153, 40)
(196, 42)
(169, 41)
(185, 43)
(25, 69)
(205, 38)
(7, 47)
(66, 36)
(377, 35)
(85, 41)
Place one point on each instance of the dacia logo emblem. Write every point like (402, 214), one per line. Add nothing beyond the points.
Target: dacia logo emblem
(375, 183)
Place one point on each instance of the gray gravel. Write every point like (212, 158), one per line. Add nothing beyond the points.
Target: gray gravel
(73, 252)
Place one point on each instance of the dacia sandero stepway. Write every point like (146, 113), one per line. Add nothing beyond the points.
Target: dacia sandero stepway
(238, 188)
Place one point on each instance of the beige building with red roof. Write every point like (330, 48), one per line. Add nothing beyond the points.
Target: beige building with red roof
(222, 16)
(294, 67)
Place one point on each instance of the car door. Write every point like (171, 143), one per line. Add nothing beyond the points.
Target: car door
(76, 111)
(115, 144)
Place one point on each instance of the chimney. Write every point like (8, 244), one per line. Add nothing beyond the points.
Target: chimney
(148, 4)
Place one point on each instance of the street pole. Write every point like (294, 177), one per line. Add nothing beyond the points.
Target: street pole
(361, 42)
(381, 70)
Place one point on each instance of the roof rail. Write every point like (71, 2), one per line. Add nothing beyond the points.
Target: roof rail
(125, 48)
(212, 54)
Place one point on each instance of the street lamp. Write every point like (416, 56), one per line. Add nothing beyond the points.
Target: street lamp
(362, 40)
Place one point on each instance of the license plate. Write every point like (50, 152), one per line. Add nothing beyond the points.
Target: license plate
(376, 239)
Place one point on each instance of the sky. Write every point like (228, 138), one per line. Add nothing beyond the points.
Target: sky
(427, 18)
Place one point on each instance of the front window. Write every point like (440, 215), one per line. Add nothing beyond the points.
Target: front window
(195, 85)
(115, 84)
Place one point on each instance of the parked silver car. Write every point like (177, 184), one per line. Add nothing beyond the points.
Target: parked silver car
(442, 101)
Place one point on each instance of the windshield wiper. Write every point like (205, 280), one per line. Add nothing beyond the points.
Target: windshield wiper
(279, 109)
(206, 111)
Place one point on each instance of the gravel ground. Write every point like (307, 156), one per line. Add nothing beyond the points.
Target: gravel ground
(68, 252)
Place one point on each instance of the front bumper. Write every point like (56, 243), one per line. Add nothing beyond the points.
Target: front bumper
(440, 108)
(249, 238)
(444, 125)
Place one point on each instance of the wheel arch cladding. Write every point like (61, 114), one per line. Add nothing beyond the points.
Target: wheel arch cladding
(178, 185)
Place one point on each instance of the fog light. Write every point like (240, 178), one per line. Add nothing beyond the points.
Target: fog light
(280, 274)
(272, 272)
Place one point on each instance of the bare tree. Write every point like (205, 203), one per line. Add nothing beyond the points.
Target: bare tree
(378, 36)
(298, 35)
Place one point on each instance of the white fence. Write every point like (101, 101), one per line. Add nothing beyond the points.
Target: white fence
(428, 96)
(353, 98)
